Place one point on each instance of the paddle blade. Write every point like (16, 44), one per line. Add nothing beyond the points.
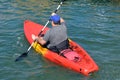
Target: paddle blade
(21, 56)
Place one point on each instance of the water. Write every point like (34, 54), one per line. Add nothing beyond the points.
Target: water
(94, 24)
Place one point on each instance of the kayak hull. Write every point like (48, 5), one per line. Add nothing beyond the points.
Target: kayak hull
(85, 65)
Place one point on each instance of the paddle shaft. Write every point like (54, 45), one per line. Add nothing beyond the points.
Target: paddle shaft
(44, 26)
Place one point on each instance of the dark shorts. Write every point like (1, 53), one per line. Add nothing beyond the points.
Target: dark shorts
(60, 47)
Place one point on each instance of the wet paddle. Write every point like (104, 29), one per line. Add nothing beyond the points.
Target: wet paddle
(25, 54)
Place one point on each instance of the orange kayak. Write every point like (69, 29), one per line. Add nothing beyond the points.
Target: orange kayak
(85, 65)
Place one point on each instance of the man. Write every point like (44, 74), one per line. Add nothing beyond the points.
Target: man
(56, 36)
(57, 40)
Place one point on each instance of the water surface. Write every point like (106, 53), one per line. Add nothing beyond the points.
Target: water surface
(94, 24)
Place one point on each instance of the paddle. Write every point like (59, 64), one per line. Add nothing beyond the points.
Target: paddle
(26, 53)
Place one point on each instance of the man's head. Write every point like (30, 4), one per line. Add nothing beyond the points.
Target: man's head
(56, 19)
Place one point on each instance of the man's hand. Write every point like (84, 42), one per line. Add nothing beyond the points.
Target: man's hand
(39, 39)
(34, 37)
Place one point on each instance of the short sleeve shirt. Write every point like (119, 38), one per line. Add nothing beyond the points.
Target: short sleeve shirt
(56, 35)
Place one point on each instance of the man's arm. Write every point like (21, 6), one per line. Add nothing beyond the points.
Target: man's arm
(41, 40)
(62, 20)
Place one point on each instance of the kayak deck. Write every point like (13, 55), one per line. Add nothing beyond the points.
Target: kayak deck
(84, 66)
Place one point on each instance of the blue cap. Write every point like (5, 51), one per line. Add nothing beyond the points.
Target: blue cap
(55, 18)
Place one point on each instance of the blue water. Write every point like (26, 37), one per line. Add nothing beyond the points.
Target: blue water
(94, 24)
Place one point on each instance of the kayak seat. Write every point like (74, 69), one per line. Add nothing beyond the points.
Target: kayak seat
(70, 55)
